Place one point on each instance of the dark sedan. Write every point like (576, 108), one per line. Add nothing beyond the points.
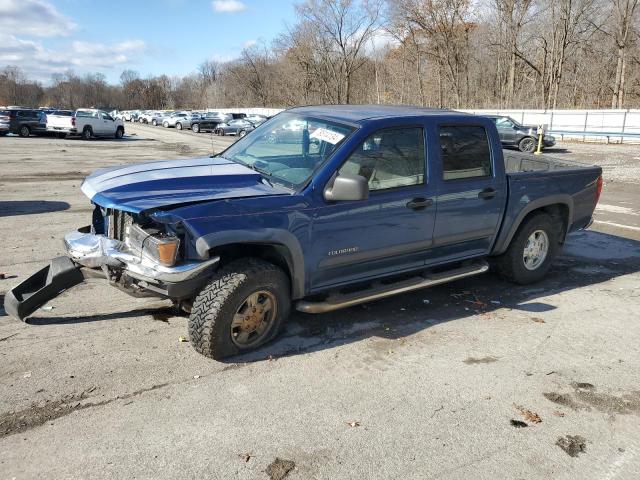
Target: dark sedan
(514, 134)
(235, 127)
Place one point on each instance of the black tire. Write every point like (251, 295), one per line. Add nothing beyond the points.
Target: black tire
(87, 133)
(527, 145)
(511, 264)
(154, 123)
(195, 128)
(3, 133)
(210, 329)
(24, 131)
(119, 133)
(165, 124)
(178, 126)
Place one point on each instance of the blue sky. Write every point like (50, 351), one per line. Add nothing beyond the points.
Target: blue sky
(153, 37)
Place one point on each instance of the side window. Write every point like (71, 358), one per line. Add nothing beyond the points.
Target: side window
(106, 116)
(503, 122)
(389, 159)
(465, 152)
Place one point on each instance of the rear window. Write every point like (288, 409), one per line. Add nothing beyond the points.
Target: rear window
(465, 152)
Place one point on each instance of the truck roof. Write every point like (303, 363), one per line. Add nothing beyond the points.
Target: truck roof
(360, 113)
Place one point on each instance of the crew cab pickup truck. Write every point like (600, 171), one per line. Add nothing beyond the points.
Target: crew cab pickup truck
(367, 202)
(87, 122)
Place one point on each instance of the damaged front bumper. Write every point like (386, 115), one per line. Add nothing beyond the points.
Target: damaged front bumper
(96, 256)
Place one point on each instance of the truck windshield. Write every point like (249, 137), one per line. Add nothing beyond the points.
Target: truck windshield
(289, 148)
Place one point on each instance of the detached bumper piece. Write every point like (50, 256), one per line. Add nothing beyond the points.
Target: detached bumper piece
(42, 286)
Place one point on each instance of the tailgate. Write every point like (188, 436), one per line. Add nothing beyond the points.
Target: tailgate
(59, 122)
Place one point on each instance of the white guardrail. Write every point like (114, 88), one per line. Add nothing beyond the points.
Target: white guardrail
(603, 125)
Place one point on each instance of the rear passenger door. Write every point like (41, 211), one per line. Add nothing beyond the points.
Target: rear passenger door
(471, 195)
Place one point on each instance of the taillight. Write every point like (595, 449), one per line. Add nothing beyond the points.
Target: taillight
(73, 121)
(598, 189)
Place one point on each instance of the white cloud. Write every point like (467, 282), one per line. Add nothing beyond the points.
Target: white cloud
(34, 17)
(249, 43)
(228, 6)
(40, 62)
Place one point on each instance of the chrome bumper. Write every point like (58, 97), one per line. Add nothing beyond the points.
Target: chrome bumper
(95, 251)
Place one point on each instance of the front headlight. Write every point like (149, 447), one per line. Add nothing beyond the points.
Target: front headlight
(154, 244)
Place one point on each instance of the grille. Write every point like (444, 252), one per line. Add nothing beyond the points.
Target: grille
(118, 223)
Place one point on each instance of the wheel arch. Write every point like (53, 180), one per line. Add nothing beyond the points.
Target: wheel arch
(278, 247)
(559, 207)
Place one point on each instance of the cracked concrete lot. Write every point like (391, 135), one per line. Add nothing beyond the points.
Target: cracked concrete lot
(475, 379)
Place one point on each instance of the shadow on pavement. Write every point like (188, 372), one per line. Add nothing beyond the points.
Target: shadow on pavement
(589, 258)
(11, 208)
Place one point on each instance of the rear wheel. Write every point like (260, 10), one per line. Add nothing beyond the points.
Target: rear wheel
(154, 123)
(87, 133)
(195, 128)
(532, 250)
(527, 144)
(24, 131)
(244, 306)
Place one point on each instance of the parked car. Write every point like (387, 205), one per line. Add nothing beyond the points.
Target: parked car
(4, 123)
(514, 134)
(87, 122)
(235, 127)
(171, 120)
(24, 121)
(186, 122)
(50, 120)
(256, 119)
(156, 118)
(240, 238)
(207, 122)
(147, 116)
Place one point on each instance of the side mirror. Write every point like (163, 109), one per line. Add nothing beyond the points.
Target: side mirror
(347, 187)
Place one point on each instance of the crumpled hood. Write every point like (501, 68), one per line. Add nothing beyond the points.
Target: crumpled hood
(145, 186)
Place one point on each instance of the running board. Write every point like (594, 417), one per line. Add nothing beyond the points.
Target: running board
(378, 291)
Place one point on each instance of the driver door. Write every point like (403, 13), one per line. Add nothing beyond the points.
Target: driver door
(391, 230)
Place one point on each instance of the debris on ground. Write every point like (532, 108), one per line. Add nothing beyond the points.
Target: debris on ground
(279, 468)
(26, 375)
(473, 360)
(182, 339)
(3, 276)
(528, 415)
(572, 444)
(245, 456)
(538, 320)
(558, 414)
(8, 337)
(196, 376)
(517, 423)
(353, 423)
(47, 308)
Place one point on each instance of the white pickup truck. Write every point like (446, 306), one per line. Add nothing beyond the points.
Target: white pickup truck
(87, 122)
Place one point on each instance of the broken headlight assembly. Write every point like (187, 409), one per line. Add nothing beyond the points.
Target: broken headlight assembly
(154, 244)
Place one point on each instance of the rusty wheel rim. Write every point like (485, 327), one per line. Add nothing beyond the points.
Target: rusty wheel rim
(253, 318)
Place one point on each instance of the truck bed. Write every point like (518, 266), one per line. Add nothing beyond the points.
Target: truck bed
(538, 180)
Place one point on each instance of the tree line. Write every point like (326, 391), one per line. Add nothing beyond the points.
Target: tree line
(542, 54)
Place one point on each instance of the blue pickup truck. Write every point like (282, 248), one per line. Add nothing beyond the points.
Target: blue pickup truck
(355, 203)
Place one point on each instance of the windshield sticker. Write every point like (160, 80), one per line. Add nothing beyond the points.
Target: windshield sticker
(327, 135)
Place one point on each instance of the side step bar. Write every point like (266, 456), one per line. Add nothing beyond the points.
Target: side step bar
(378, 291)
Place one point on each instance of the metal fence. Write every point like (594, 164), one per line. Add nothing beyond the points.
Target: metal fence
(586, 125)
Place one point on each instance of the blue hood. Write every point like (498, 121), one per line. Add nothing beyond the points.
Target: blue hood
(145, 186)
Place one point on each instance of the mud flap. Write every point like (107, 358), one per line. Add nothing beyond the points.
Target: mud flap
(42, 286)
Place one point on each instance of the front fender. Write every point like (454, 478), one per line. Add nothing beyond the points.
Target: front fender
(283, 240)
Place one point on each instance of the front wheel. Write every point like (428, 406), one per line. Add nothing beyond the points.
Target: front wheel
(165, 124)
(87, 133)
(527, 145)
(154, 123)
(244, 306)
(242, 133)
(178, 126)
(119, 133)
(532, 250)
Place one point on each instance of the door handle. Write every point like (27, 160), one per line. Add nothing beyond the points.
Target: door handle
(487, 193)
(419, 203)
